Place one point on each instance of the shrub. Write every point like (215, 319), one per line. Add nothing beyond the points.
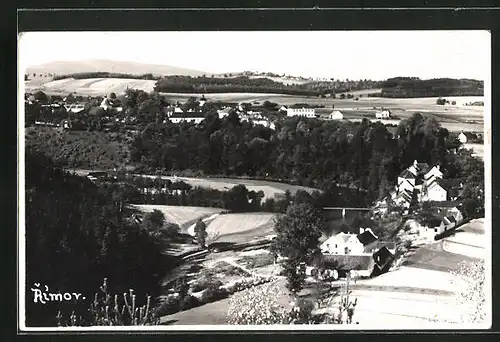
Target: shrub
(189, 302)
(169, 306)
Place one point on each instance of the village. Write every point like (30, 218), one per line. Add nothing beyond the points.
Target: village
(186, 195)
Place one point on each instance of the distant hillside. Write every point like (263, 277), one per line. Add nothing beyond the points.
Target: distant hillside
(405, 87)
(102, 65)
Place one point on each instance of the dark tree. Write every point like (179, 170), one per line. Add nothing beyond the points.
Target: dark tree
(200, 230)
(297, 242)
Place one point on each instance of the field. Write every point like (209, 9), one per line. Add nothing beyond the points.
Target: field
(477, 148)
(270, 189)
(183, 216)
(241, 227)
(91, 86)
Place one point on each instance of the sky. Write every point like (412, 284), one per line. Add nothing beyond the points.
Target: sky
(375, 55)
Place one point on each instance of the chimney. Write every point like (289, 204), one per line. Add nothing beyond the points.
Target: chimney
(361, 230)
(438, 167)
(415, 163)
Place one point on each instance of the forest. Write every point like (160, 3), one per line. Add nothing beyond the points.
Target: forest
(76, 235)
(188, 84)
(406, 87)
(309, 152)
(103, 74)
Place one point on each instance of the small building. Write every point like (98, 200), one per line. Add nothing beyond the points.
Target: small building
(383, 114)
(383, 260)
(224, 112)
(462, 138)
(336, 115)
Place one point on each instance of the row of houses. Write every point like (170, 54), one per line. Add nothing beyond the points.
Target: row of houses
(421, 183)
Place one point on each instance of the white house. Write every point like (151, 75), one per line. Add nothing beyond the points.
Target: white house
(403, 199)
(336, 115)
(406, 176)
(462, 137)
(301, 111)
(283, 108)
(342, 244)
(224, 112)
(74, 108)
(383, 114)
(178, 110)
(350, 244)
(435, 193)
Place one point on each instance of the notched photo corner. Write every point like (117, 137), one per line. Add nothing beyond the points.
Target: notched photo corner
(339, 185)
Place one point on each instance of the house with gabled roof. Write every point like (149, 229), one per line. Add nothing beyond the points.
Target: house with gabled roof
(403, 198)
(406, 176)
(434, 192)
(432, 174)
(350, 244)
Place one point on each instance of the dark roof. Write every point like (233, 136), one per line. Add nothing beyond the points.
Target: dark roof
(406, 174)
(349, 262)
(382, 257)
(366, 237)
(424, 167)
(300, 105)
(383, 261)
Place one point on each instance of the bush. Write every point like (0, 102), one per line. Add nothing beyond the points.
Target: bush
(189, 302)
(170, 305)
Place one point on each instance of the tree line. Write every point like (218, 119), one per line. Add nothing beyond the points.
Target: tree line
(103, 74)
(405, 87)
(203, 84)
(302, 151)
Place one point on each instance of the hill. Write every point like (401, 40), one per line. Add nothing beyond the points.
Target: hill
(103, 65)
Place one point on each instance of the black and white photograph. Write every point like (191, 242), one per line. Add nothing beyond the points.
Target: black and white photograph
(254, 180)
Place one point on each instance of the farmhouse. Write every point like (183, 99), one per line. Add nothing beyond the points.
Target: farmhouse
(301, 110)
(355, 265)
(336, 115)
(383, 114)
(355, 244)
